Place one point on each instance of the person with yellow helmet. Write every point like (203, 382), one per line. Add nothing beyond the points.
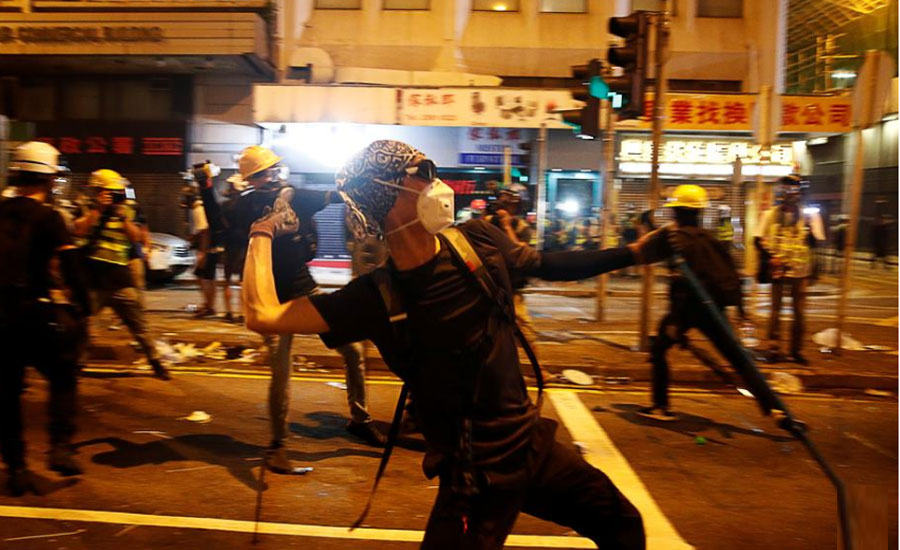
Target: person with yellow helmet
(787, 234)
(265, 175)
(710, 259)
(110, 233)
(41, 323)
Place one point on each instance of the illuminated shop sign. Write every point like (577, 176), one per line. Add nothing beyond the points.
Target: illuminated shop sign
(703, 158)
(69, 34)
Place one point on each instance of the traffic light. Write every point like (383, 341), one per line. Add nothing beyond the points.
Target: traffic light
(590, 89)
(633, 58)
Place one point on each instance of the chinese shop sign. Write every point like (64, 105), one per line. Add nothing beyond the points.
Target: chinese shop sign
(734, 112)
(71, 34)
(128, 147)
(696, 157)
(481, 146)
(504, 108)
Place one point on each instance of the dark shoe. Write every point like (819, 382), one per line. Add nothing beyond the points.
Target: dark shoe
(159, 370)
(799, 359)
(657, 413)
(278, 462)
(62, 460)
(204, 312)
(367, 432)
(20, 481)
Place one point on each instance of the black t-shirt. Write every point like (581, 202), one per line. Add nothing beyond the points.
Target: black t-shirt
(290, 253)
(30, 234)
(455, 330)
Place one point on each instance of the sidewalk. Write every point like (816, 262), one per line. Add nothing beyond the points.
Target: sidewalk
(568, 338)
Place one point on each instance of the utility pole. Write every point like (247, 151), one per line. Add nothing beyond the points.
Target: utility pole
(609, 144)
(661, 24)
(758, 202)
(541, 185)
(507, 166)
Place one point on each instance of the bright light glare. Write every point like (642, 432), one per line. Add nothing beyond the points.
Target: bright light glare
(843, 74)
(499, 7)
(569, 207)
(811, 210)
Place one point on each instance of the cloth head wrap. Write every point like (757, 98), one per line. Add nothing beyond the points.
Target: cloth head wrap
(360, 180)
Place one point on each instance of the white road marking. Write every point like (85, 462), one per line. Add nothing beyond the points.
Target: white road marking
(265, 528)
(601, 452)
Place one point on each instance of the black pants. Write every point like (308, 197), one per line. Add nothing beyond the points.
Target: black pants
(797, 288)
(565, 490)
(50, 340)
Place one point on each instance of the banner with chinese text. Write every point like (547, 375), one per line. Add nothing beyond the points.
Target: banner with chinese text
(734, 112)
(500, 107)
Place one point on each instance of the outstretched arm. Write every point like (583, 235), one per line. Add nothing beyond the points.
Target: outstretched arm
(265, 314)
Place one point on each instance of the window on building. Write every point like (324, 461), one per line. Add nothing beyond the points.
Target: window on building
(338, 4)
(495, 5)
(720, 8)
(648, 5)
(564, 6)
(407, 4)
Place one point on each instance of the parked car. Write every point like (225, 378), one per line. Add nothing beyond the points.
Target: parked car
(169, 256)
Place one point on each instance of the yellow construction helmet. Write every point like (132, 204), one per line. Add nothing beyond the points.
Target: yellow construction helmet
(256, 158)
(688, 196)
(108, 179)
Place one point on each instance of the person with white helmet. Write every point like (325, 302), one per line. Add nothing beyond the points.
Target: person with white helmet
(710, 259)
(39, 325)
(264, 173)
(440, 312)
(109, 233)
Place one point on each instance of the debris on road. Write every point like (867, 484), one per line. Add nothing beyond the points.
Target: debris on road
(338, 385)
(201, 417)
(877, 393)
(578, 377)
(784, 382)
(700, 440)
(828, 337)
(617, 380)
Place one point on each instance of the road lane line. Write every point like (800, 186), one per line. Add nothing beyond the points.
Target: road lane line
(266, 528)
(601, 452)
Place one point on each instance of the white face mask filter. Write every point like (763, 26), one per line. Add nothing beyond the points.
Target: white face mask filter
(434, 208)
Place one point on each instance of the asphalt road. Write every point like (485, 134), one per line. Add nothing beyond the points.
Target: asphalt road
(156, 480)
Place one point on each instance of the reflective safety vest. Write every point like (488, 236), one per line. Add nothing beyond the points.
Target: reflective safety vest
(726, 231)
(790, 245)
(112, 244)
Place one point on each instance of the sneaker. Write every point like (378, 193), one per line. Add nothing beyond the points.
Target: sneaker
(367, 432)
(62, 460)
(20, 481)
(159, 370)
(657, 413)
(278, 462)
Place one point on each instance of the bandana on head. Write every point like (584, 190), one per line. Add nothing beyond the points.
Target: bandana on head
(360, 183)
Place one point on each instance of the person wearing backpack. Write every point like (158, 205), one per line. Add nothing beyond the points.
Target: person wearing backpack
(789, 235)
(453, 342)
(710, 259)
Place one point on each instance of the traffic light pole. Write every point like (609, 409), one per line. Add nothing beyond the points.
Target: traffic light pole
(609, 144)
(541, 185)
(660, 23)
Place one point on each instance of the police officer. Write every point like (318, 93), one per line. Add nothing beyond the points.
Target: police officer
(789, 235)
(109, 234)
(40, 325)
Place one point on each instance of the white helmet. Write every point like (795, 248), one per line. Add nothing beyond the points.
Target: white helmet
(35, 156)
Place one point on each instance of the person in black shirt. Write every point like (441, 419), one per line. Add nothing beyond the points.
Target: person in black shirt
(41, 323)
(495, 456)
(710, 259)
(259, 167)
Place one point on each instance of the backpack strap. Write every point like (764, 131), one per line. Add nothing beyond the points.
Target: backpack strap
(396, 314)
(464, 252)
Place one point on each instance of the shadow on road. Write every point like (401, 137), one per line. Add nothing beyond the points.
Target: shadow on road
(329, 425)
(688, 424)
(217, 449)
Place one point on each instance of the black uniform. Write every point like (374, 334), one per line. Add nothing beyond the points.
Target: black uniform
(710, 260)
(33, 329)
(461, 363)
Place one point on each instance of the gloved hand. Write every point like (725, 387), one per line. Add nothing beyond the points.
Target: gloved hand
(204, 173)
(280, 219)
(653, 246)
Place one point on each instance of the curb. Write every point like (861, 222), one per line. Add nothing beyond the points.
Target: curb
(612, 375)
